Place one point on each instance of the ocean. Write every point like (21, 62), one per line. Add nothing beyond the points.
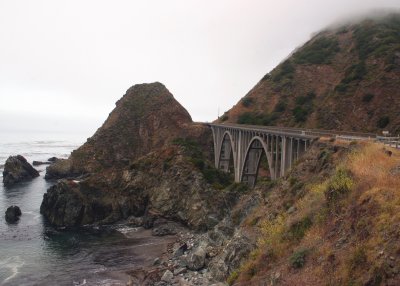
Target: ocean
(34, 253)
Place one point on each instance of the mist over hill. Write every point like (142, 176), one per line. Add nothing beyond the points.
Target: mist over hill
(345, 77)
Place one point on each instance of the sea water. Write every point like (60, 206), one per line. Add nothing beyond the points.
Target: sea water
(34, 253)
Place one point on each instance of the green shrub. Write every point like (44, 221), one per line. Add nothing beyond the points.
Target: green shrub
(367, 97)
(216, 177)
(233, 277)
(238, 188)
(358, 258)
(303, 107)
(379, 39)
(224, 117)
(383, 121)
(246, 102)
(355, 72)
(255, 119)
(285, 71)
(341, 87)
(213, 176)
(339, 185)
(300, 113)
(280, 106)
(298, 259)
(297, 230)
(321, 51)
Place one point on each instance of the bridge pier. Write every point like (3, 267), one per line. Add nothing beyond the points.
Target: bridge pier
(243, 147)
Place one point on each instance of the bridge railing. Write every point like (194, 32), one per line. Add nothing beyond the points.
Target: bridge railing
(307, 133)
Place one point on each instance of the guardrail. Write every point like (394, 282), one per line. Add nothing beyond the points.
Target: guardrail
(344, 135)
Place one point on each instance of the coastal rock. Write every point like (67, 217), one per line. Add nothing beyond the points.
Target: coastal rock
(12, 214)
(145, 119)
(52, 159)
(39, 163)
(233, 254)
(62, 204)
(17, 169)
(196, 259)
(61, 168)
(167, 276)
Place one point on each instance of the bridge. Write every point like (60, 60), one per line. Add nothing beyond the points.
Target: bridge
(239, 148)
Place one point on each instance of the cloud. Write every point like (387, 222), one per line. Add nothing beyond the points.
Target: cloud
(79, 57)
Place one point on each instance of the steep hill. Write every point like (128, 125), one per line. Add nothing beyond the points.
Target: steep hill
(344, 78)
(145, 119)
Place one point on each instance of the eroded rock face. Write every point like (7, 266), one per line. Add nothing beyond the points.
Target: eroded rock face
(134, 167)
(17, 169)
(145, 119)
(176, 192)
(12, 214)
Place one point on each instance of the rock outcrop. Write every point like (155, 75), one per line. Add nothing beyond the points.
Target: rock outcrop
(12, 214)
(149, 187)
(139, 163)
(145, 119)
(17, 169)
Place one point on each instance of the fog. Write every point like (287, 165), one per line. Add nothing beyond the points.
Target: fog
(64, 64)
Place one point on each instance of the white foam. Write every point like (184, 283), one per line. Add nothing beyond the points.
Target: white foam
(13, 263)
(126, 230)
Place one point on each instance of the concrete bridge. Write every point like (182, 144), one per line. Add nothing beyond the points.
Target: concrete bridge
(239, 148)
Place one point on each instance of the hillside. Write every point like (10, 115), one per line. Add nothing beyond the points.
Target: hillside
(344, 78)
(330, 222)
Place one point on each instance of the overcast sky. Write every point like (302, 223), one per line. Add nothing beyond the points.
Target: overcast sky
(63, 64)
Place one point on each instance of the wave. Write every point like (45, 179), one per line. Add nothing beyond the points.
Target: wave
(13, 263)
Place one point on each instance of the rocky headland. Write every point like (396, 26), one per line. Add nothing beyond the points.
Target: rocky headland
(332, 220)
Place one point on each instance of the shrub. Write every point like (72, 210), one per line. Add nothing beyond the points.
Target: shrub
(358, 258)
(367, 97)
(379, 39)
(341, 87)
(300, 114)
(280, 106)
(304, 106)
(298, 259)
(233, 277)
(297, 230)
(383, 121)
(224, 117)
(321, 51)
(339, 185)
(285, 70)
(255, 119)
(246, 102)
(217, 178)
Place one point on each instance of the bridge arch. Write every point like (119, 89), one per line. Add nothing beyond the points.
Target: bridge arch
(251, 164)
(227, 153)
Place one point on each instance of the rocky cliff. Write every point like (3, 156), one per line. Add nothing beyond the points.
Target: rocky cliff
(145, 119)
(344, 78)
(148, 159)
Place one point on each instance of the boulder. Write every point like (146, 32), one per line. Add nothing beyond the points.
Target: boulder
(17, 169)
(52, 159)
(61, 168)
(12, 214)
(196, 259)
(168, 228)
(167, 276)
(38, 163)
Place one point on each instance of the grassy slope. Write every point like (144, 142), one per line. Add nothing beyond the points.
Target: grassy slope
(344, 78)
(333, 221)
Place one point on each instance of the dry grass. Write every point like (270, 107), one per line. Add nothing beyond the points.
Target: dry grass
(372, 166)
(365, 217)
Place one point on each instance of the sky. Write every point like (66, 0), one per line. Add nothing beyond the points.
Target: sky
(64, 64)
